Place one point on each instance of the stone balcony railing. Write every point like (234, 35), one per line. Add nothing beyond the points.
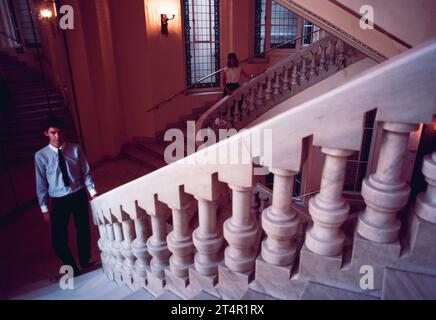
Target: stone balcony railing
(141, 250)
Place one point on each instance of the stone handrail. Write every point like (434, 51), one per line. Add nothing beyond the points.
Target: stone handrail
(278, 83)
(142, 255)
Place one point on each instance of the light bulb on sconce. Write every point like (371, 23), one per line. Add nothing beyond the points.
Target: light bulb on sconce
(164, 14)
(48, 14)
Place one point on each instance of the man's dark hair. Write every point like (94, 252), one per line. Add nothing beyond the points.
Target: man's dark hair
(53, 122)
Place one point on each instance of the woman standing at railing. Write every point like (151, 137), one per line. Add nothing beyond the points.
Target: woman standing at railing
(232, 75)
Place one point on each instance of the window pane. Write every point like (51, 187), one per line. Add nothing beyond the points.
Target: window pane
(283, 26)
(201, 20)
(260, 21)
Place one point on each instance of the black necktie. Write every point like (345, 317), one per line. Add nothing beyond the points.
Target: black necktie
(63, 167)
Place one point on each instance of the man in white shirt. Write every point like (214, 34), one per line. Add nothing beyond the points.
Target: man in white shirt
(62, 173)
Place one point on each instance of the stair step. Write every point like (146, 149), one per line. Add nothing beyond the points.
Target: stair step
(146, 159)
(205, 296)
(91, 286)
(167, 295)
(407, 285)
(318, 291)
(141, 294)
(36, 103)
(157, 149)
(255, 295)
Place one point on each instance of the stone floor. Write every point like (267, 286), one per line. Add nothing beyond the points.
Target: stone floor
(28, 261)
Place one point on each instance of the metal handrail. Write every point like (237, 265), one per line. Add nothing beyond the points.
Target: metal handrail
(220, 70)
(9, 36)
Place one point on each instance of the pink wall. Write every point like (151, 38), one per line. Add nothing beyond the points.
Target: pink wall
(411, 21)
(123, 66)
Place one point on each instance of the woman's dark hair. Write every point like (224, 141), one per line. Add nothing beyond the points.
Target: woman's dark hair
(53, 122)
(233, 56)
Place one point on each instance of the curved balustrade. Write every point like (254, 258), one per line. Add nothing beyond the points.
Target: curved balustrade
(335, 121)
(278, 83)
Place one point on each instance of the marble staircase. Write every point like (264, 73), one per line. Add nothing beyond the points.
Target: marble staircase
(338, 258)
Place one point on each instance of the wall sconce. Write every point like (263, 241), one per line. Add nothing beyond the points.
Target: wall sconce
(164, 14)
(48, 13)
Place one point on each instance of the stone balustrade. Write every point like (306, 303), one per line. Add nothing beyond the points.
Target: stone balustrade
(183, 248)
(285, 79)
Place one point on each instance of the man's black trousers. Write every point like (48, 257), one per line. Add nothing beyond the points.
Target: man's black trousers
(62, 208)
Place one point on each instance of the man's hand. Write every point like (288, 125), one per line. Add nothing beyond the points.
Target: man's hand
(46, 216)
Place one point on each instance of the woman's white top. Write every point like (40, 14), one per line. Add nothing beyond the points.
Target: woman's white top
(232, 74)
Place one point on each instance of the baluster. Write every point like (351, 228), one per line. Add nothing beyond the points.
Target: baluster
(240, 231)
(385, 192)
(303, 71)
(349, 55)
(294, 75)
(268, 91)
(312, 71)
(279, 222)
(252, 100)
(116, 247)
(260, 96)
(237, 114)
(332, 58)
(223, 121)
(276, 85)
(341, 56)
(328, 208)
(111, 252)
(140, 250)
(126, 251)
(158, 249)
(285, 85)
(425, 206)
(207, 239)
(244, 107)
(322, 60)
(102, 242)
(229, 116)
(180, 243)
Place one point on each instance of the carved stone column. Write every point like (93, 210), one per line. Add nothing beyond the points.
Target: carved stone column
(102, 243)
(158, 249)
(180, 243)
(385, 192)
(126, 251)
(207, 239)
(140, 250)
(110, 260)
(280, 223)
(328, 208)
(116, 247)
(241, 232)
(425, 206)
